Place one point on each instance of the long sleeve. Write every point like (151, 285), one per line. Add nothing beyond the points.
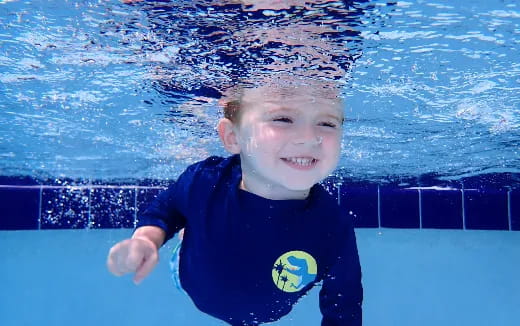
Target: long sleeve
(167, 210)
(341, 295)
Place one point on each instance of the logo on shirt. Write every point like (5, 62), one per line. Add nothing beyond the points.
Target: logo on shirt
(294, 270)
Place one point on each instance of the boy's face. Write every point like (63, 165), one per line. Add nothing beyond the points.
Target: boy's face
(289, 140)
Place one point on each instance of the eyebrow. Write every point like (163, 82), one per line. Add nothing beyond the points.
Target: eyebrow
(339, 118)
(279, 109)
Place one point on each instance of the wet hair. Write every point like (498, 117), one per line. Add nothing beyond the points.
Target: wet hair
(232, 111)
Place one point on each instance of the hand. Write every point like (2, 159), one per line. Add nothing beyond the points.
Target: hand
(139, 255)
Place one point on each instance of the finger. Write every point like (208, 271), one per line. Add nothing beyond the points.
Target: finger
(146, 267)
(134, 258)
(113, 260)
(113, 268)
(122, 259)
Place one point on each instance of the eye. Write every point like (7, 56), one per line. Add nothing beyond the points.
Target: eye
(328, 124)
(283, 119)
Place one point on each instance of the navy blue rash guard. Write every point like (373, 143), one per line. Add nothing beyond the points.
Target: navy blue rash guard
(246, 259)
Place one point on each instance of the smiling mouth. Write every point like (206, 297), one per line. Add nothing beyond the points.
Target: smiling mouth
(300, 162)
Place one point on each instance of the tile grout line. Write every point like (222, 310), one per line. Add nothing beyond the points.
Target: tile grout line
(420, 208)
(378, 207)
(509, 209)
(89, 186)
(339, 193)
(463, 210)
(89, 220)
(40, 209)
(135, 207)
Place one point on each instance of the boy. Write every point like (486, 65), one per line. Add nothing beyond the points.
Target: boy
(259, 229)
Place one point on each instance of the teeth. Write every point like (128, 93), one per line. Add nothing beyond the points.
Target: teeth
(300, 160)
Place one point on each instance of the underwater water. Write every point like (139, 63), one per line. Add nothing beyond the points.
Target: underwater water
(118, 90)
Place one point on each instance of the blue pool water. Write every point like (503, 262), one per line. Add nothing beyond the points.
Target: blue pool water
(106, 90)
(103, 102)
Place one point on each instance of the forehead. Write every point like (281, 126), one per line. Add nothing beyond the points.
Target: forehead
(305, 98)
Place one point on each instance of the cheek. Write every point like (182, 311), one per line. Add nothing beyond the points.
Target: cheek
(267, 137)
(258, 139)
(265, 134)
(332, 143)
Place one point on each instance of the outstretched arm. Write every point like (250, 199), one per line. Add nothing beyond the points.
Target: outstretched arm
(158, 223)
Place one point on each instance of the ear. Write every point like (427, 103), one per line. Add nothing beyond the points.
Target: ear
(228, 136)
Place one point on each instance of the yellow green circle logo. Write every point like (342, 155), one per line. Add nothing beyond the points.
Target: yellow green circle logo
(294, 270)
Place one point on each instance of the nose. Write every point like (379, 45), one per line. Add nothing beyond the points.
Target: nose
(307, 135)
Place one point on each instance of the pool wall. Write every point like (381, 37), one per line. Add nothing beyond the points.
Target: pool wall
(489, 202)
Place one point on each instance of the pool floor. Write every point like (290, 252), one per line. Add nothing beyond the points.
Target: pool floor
(411, 277)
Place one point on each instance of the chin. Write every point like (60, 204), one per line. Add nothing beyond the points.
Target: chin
(300, 186)
(301, 182)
